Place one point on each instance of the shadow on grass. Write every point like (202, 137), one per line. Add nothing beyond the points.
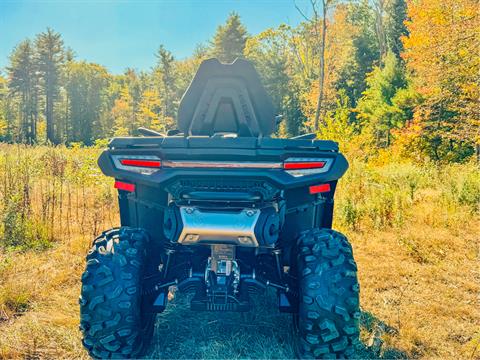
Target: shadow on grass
(263, 333)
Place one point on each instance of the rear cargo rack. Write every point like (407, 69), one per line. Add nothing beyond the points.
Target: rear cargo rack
(206, 142)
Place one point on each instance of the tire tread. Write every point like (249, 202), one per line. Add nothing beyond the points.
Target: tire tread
(110, 309)
(329, 306)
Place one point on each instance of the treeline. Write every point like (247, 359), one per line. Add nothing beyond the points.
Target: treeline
(371, 74)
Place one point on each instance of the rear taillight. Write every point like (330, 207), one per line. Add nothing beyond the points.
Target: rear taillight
(149, 164)
(142, 164)
(303, 165)
(306, 166)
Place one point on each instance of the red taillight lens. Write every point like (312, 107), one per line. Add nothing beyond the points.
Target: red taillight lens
(141, 163)
(306, 166)
(120, 185)
(303, 165)
(321, 188)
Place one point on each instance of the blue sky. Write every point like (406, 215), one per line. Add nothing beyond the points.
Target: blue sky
(120, 34)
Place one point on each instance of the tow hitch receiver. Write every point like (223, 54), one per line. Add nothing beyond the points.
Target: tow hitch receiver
(222, 278)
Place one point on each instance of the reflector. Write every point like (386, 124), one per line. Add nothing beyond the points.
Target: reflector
(321, 188)
(120, 185)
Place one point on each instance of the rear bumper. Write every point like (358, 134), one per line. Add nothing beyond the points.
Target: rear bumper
(277, 177)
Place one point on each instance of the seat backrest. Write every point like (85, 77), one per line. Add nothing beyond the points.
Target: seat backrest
(226, 98)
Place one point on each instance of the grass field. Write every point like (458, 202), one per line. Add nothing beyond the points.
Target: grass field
(414, 230)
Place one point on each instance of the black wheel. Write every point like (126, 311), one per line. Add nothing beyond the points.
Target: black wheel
(111, 319)
(327, 321)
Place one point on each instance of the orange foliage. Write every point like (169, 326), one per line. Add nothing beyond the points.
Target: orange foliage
(339, 51)
(442, 52)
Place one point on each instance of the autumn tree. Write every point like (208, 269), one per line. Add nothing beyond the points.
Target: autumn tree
(229, 40)
(49, 61)
(319, 25)
(338, 126)
(442, 52)
(185, 69)
(149, 110)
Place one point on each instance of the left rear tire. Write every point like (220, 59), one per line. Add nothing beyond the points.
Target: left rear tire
(111, 317)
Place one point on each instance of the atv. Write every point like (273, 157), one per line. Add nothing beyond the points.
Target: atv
(221, 209)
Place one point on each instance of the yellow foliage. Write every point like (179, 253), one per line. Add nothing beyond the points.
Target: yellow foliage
(339, 50)
(442, 51)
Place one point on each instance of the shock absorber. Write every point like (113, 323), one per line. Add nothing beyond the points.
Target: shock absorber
(278, 261)
(169, 253)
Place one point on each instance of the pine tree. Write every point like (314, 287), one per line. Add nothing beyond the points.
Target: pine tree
(271, 52)
(50, 59)
(85, 88)
(23, 85)
(5, 111)
(352, 77)
(395, 25)
(165, 77)
(381, 107)
(134, 89)
(229, 40)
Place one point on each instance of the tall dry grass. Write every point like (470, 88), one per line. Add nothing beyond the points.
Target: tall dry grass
(414, 230)
(53, 201)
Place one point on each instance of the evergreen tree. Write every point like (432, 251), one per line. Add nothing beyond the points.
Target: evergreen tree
(23, 85)
(165, 76)
(50, 59)
(395, 25)
(67, 122)
(229, 40)
(5, 111)
(366, 52)
(385, 104)
(85, 88)
(270, 53)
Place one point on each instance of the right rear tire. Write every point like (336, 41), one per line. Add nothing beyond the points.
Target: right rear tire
(327, 321)
(111, 318)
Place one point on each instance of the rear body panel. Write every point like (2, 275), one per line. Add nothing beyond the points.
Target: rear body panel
(223, 170)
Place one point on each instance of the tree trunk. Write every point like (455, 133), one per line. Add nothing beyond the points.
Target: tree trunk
(321, 78)
(49, 118)
(380, 28)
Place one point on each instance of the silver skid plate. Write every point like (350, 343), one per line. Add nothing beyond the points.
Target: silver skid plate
(216, 227)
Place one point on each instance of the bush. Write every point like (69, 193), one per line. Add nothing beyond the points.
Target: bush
(46, 194)
(19, 230)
